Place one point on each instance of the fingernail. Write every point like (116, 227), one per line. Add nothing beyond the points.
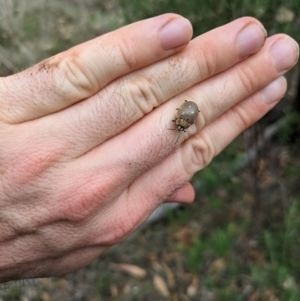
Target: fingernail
(274, 91)
(176, 33)
(285, 53)
(251, 39)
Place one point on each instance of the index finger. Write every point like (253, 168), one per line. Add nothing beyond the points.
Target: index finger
(80, 72)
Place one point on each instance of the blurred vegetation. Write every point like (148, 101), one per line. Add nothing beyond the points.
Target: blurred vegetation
(31, 31)
(276, 15)
(240, 239)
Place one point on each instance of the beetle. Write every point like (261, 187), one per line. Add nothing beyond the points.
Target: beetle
(185, 116)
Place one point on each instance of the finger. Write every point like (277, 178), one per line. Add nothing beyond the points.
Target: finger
(80, 72)
(125, 101)
(185, 194)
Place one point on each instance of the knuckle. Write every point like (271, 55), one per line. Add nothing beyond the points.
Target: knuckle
(120, 224)
(248, 79)
(81, 201)
(80, 206)
(203, 152)
(25, 168)
(127, 52)
(143, 95)
(243, 120)
(78, 74)
(208, 65)
(114, 235)
(18, 223)
(28, 165)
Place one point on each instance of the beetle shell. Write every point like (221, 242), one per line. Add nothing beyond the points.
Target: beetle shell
(186, 115)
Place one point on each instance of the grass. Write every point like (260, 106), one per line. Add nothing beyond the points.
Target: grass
(266, 260)
(225, 267)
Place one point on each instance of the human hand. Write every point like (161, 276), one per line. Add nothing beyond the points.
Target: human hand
(85, 151)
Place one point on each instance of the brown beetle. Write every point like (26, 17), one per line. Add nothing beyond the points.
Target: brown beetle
(185, 116)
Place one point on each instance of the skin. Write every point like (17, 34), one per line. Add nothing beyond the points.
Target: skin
(85, 158)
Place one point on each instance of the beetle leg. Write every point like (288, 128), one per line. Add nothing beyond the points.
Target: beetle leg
(177, 138)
